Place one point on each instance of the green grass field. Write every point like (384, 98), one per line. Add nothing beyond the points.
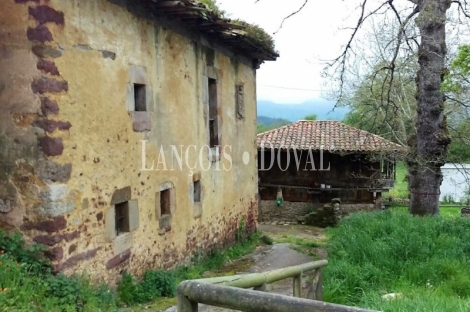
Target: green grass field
(424, 259)
(445, 211)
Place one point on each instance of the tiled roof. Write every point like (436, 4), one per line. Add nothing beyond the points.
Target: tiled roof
(332, 136)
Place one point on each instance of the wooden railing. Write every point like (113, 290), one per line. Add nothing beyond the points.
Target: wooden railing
(228, 292)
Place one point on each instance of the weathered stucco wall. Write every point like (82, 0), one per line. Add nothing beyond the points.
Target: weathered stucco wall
(71, 144)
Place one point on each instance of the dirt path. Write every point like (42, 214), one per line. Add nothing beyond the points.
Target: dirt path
(271, 257)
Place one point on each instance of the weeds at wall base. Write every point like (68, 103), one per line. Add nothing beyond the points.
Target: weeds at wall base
(27, 284)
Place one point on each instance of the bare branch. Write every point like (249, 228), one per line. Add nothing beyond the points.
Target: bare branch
(462, 8)
(290, 15)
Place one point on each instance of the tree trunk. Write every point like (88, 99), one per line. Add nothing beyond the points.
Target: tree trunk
(429, 146)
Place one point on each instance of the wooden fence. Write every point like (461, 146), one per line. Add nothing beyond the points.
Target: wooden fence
(230, 292)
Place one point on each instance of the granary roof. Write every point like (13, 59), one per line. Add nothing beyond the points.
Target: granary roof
(332, 136)
(238, 36)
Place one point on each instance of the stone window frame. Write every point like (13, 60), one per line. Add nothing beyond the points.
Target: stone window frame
(141, 119)
(211, 72)
(164, 221)
(197, 205)
(122, 196)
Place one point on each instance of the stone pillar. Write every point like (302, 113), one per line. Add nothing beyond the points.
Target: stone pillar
(378, 200)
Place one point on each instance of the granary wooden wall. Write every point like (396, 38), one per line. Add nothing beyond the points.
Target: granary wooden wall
(350, 176)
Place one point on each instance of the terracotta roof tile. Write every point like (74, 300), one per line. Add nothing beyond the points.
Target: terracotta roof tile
(333, 136)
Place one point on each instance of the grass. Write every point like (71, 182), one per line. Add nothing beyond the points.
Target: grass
(297, 241)
(157, 288)
(448, 211)
(301, 239)
(426, 259)
(400, 189)
(27, 284)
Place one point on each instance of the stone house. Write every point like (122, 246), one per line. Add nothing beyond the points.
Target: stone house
(125, 130)
(313, 162)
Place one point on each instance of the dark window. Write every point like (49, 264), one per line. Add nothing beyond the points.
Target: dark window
(213, 114)
(140, 98)
(165, 202)
(197, 191)
(122, 218)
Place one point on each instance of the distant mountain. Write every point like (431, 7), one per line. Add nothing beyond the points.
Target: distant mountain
(294, 112)
(268, 121)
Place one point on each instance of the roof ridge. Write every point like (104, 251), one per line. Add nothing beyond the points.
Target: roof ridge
(316, 134)
(306, 120)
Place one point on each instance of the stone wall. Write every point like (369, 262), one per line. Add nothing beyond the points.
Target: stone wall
(269, 212)
(290, 212)
(71, 145)
(350, 208)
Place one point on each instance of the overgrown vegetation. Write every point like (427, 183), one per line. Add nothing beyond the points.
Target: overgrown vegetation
(252, 31)
(27, 282)
(213, 7)
(156, 284)
(258, 33)
(425, 259)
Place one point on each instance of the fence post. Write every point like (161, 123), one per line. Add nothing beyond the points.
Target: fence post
(186, 305)
(319, 289)
(297, 285)
(316, 289)
(183, 303)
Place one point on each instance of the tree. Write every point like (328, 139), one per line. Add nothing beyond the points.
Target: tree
(263, 128)
(311, 117)
(428, 146)
(456, 87)
(369, 112)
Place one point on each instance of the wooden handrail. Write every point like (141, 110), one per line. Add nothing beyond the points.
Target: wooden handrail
(228, 292)
(259, 279)
(190, 293)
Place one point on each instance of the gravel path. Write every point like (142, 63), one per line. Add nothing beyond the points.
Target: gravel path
(267, 258)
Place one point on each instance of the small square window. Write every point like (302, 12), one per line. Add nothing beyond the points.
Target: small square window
(140, 98)
(197, 191)
(122, 218)
(165, 202)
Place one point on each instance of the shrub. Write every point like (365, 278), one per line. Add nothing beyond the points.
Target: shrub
(26, 282)
(127, 289)
(163, 282)
(30, 256)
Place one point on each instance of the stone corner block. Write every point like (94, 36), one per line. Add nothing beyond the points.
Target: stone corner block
(56, 209)
(134, 220)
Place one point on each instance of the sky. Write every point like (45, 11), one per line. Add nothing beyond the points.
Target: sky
(304, 42)
(316, 34)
